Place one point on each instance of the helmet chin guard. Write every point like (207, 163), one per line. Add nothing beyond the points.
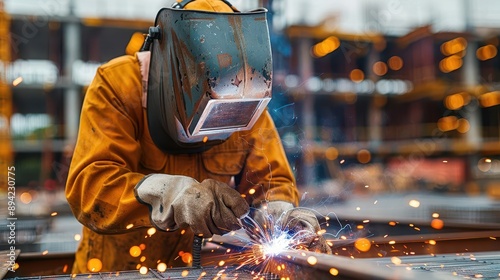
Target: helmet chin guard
(210, 75)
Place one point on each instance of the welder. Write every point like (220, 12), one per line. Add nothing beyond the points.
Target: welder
(176, 141)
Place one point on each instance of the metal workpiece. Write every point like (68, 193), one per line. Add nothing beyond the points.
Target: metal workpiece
(295, 264)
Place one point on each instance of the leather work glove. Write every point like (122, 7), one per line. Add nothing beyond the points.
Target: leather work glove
(175, 201)
(300, 222)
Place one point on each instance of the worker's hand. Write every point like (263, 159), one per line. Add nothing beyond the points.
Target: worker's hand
(302, 223)
(209, 207)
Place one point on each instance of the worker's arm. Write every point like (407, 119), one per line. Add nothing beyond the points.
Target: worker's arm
(267, 180)
(102, 177)
(266, 175)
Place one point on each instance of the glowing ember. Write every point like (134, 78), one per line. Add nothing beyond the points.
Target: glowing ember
(129, 226)
(143, 270)
(312, 260)
(151, 231)
(94, 265)
(65, 268)
(78, 237)
(205, 139)
(17, 81)
(396, 260)
(334, 271)
(162, 267)
(135, 251)
(187, 257)
(432, 242)
(142, 246)
(185, 273)
(362, 244)
(53, 214)
(143, 259)
(414, 203)
(221, 263)
(45, 252)
(392, 242)
(435, 215)
(251, 191)
(437, 224)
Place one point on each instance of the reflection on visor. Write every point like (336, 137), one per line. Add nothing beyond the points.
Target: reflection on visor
(230, 115)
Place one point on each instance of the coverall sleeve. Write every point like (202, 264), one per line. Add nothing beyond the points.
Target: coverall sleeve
(267, 175)
(102, 175)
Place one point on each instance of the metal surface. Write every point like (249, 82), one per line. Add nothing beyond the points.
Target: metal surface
(229, 272)
(310, 265)
(465, 265)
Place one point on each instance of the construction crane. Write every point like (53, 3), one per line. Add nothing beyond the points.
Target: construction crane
(6, 150)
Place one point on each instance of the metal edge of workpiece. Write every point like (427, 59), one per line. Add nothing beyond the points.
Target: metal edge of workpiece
(300, 264)
(311, 265)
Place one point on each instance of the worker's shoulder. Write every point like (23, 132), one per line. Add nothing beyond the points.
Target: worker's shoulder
(121, 62)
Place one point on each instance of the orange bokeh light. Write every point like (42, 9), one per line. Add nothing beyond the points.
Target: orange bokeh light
(437, 224)
(362, 244)
(94, 265)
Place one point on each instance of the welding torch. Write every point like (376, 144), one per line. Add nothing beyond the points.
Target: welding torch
(197, 244)
(198, 240)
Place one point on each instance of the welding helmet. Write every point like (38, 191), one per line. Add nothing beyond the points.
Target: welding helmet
(210, 74)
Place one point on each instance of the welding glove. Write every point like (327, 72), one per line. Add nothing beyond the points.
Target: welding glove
(175, 201)
(298, 221)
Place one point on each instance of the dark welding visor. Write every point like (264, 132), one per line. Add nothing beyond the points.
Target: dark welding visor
(210, 75)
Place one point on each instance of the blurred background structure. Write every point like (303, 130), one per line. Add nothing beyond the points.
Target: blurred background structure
(389, 110)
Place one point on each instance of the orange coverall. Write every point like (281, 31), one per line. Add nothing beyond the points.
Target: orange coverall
(114, 151)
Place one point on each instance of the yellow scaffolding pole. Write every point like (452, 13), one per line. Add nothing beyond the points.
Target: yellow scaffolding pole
(6, 150)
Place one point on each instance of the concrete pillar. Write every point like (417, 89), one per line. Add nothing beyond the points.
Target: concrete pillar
(72, 101)
(307, 114)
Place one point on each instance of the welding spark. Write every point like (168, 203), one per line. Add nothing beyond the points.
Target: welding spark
(268, 237)
(264, 240)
